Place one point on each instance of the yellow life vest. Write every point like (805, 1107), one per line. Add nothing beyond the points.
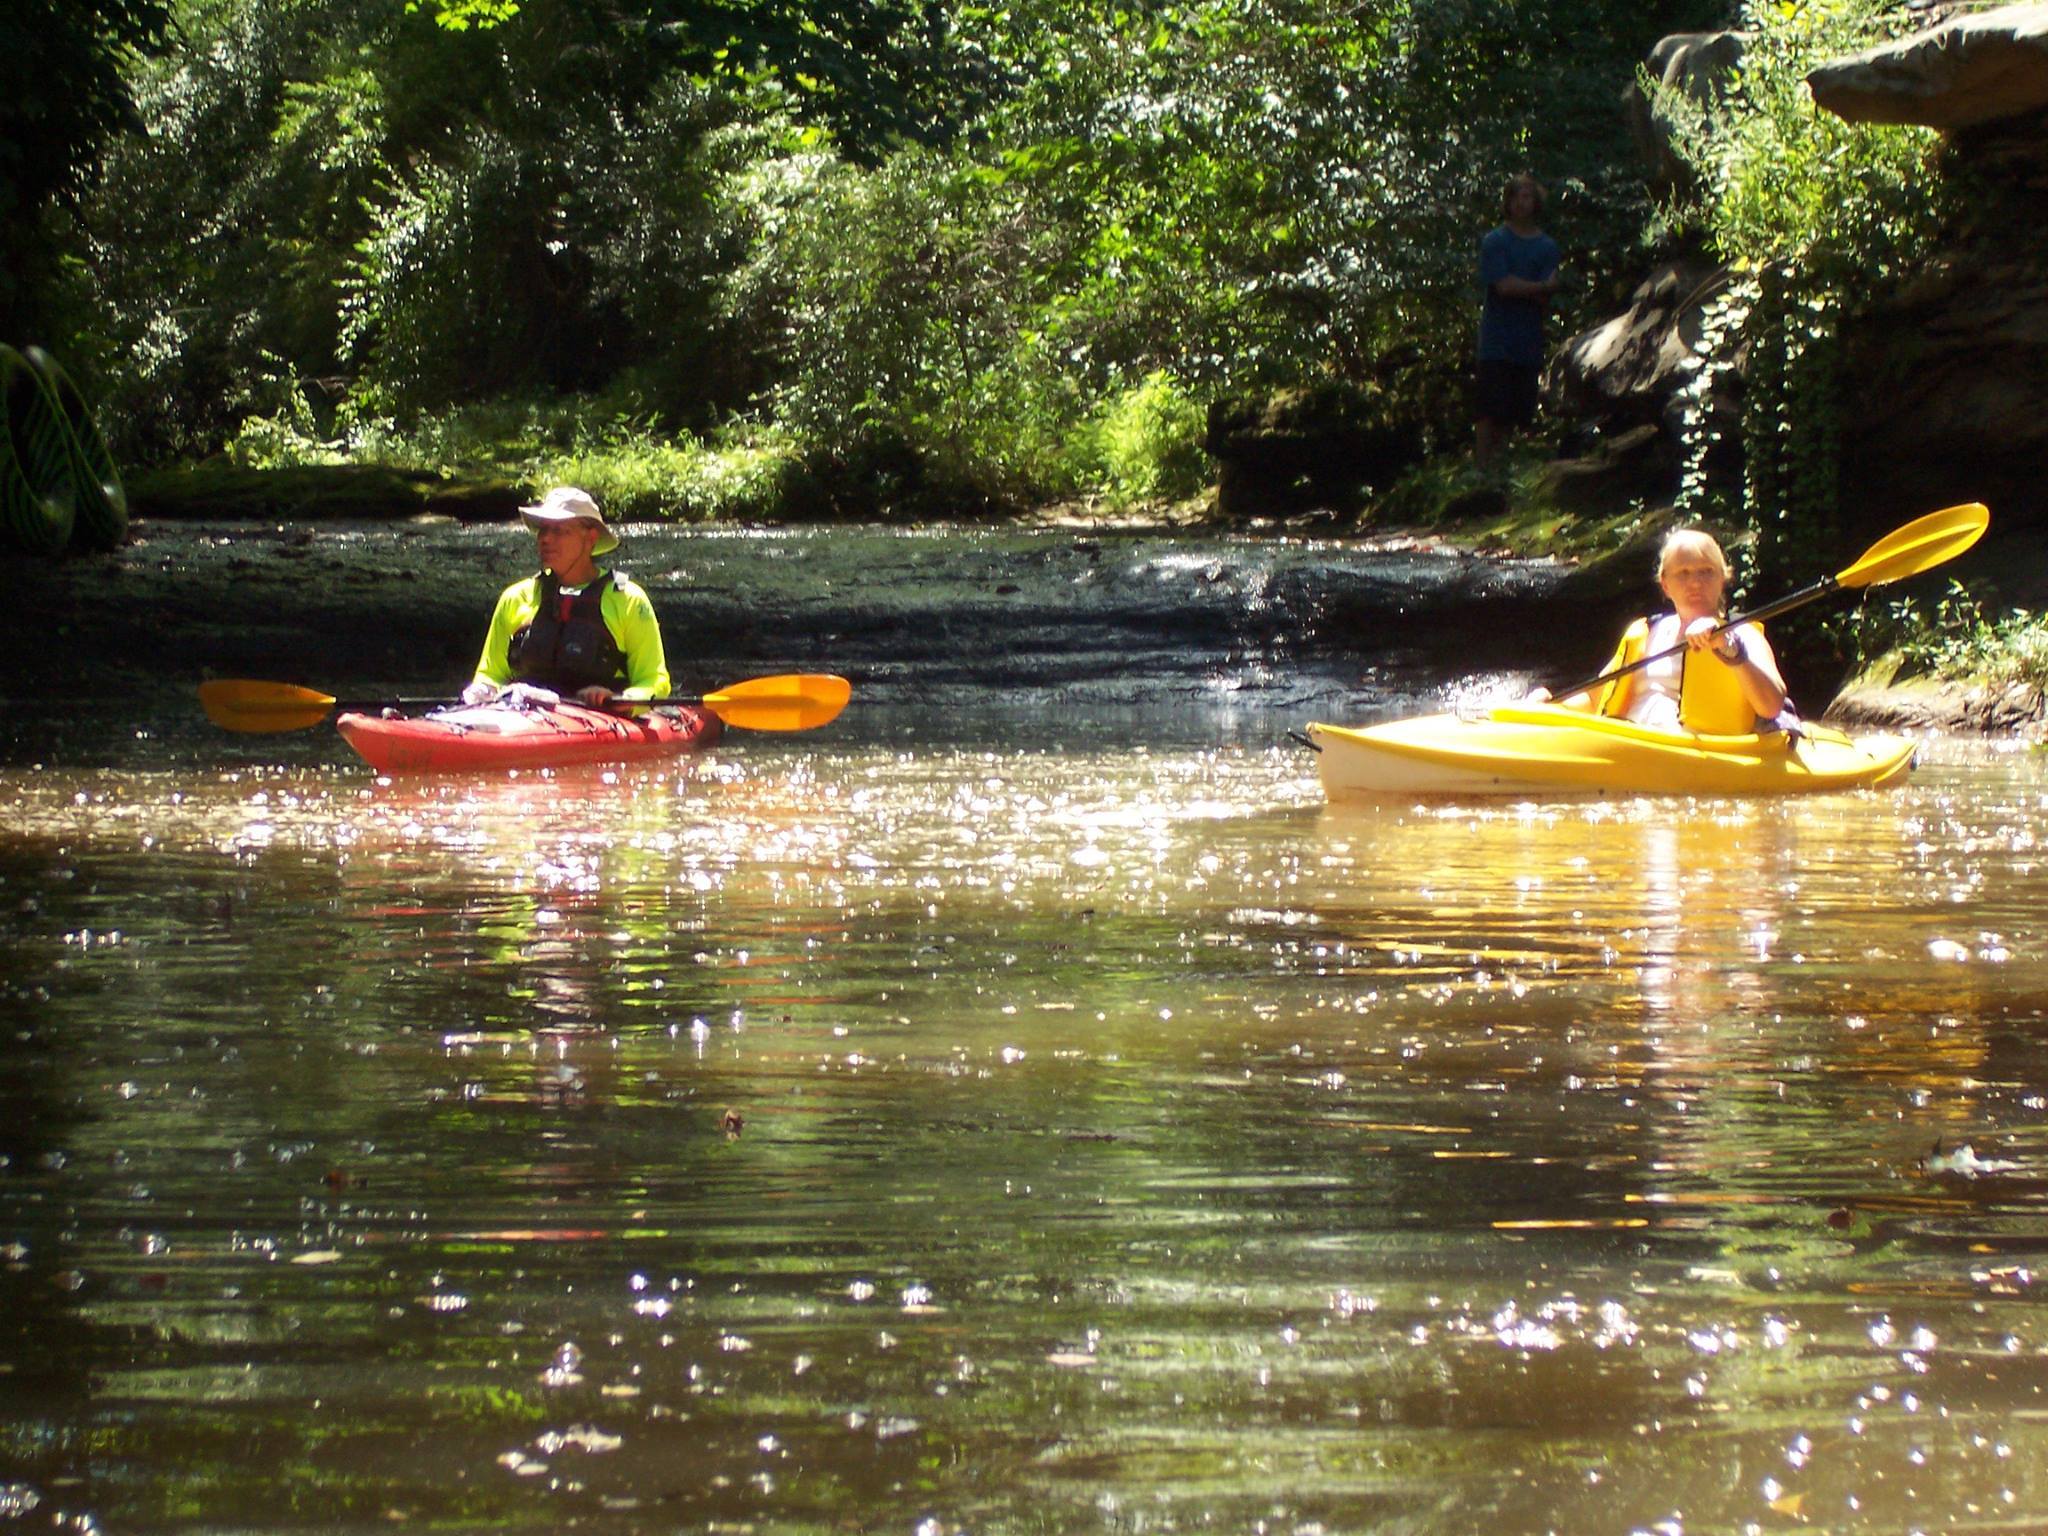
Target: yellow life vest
(1710, 696)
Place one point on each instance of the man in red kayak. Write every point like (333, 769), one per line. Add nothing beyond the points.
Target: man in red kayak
(576, 627)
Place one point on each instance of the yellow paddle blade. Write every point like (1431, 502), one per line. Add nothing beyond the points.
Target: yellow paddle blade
(1921, 545)
(795, 701)
(240, 704)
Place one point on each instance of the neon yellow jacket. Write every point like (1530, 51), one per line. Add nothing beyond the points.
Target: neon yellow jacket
(1710, 698)
(627, 614)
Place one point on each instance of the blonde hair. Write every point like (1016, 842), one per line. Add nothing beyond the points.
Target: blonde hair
(1691, 541)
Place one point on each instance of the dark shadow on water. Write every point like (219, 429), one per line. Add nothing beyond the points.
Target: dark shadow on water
(1170, 637)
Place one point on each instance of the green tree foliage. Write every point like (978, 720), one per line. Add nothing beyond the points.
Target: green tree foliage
(1816, 214)
(1238, 196)
(877, 70)
(1149, 440)
(217, 242)
(1255, 191)
(341, 196)
(63, 96)
(944, 243)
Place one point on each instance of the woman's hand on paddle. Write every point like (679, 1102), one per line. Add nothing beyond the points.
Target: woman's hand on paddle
(1701, 634)
(480, 691)
(596, 696)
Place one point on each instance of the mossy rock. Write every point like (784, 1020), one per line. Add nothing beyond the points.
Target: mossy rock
(317, 493)
(1327, 444)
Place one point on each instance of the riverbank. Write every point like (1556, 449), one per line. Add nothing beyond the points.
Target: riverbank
(1080, 604)
(1069, 614)
(1952, 706)
(1456, 505)
(319, 493)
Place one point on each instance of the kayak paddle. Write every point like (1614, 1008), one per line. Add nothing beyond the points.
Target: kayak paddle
(791, 701)
(1918, 546)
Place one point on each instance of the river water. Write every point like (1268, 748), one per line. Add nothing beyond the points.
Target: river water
(1031, 1116)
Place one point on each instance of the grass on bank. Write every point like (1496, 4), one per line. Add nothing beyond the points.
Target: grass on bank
(1138, 446)
(1142, 451)
(637, 472)
(1139, 455)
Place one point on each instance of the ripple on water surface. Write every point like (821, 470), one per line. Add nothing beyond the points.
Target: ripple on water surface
(1018, 1140)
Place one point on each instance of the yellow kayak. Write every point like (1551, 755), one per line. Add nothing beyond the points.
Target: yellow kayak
(1544, 749)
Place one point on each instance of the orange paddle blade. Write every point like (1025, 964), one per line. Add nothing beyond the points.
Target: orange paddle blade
(240, 704)
(794, 701)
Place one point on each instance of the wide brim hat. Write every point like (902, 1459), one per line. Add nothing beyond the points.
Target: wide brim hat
(566, 504)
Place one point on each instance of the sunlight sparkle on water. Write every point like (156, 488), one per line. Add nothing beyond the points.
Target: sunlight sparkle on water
(979, 1137)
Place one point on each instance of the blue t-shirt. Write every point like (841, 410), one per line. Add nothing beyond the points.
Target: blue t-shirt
(1511, 330)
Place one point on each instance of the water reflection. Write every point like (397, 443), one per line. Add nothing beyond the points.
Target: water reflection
(1011, 1139)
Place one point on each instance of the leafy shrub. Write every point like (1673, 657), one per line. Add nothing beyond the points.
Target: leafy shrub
(288, 434)
(1956, 637)
(635, 467)
(646, 479)
(1815, 214)
(906, 322)
(1150, 441)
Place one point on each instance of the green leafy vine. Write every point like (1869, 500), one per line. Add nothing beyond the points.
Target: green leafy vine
(1813, 214)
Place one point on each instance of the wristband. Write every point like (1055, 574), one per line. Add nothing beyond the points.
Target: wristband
(1741, 654)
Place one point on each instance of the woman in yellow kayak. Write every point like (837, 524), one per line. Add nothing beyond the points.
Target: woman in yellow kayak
(576, 627)
(1720, 684)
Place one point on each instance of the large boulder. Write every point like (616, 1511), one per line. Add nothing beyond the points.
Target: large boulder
(1944, 391)
(1624, 376)
(1946, 388)
(1969, 71)
(1697, 66)
(1630, 366)
(1924, 704)
(1326, 446)
(1639, 465)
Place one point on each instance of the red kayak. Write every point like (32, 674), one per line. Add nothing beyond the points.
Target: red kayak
(487, 736)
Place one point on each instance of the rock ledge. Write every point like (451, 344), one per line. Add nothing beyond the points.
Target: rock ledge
(1924, 704)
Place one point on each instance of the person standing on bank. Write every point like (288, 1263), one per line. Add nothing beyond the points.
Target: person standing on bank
(1517, 275)
(576, 627)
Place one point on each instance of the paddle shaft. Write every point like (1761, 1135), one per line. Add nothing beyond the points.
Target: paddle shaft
(347, 706)
(617, 706)
(797, 701)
